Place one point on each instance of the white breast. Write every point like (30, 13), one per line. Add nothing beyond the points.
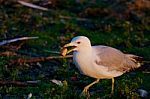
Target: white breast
(84, 64)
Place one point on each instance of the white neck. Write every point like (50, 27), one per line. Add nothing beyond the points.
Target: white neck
(85, 49)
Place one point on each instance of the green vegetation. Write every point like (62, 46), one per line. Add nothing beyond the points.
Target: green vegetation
(124, 25)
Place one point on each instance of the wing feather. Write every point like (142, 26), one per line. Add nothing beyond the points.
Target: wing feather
(114, 59)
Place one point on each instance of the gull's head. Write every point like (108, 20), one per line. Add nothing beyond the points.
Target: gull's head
(79, 43)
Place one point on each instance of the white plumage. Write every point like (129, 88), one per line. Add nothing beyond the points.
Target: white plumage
(100, 62)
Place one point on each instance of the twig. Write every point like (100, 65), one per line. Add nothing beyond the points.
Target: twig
(16, 39)
(146, 61)
(146, 72)
(32, 5)
(39, 59)
(68, 17)
(18, 83)
(8, 53)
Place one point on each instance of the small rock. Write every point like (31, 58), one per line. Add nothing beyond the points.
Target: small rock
(143, 93)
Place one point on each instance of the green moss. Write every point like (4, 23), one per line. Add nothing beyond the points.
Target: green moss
(102, 26)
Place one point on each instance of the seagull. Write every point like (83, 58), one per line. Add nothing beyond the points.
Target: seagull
(100, 62)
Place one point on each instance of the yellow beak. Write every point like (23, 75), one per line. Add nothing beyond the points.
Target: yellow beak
(69, 45)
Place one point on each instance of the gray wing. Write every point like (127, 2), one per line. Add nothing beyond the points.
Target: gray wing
(114, 59)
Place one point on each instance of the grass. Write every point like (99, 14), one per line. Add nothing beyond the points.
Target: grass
(53, 32)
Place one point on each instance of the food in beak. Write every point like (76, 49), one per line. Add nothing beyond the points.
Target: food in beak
(64, 51)
(67, 49)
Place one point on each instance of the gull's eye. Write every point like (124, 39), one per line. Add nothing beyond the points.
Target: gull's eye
(78, 42)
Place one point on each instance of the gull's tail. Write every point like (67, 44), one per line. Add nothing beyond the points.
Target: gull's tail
(137, 60)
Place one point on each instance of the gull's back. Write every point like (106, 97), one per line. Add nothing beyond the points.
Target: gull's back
(114, 59)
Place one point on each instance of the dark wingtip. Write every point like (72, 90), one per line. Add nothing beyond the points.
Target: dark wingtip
(138, 58)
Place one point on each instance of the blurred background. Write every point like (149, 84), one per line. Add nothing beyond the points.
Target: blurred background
(123, 24)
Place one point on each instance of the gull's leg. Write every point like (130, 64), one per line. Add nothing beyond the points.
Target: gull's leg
(112, 88)
(85, 91)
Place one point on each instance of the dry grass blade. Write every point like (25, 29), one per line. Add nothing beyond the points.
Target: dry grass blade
(16, 39)
(32, 5)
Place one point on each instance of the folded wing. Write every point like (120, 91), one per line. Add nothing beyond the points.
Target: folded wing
(115, 59)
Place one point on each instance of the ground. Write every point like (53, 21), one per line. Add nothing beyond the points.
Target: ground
(120, 24)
